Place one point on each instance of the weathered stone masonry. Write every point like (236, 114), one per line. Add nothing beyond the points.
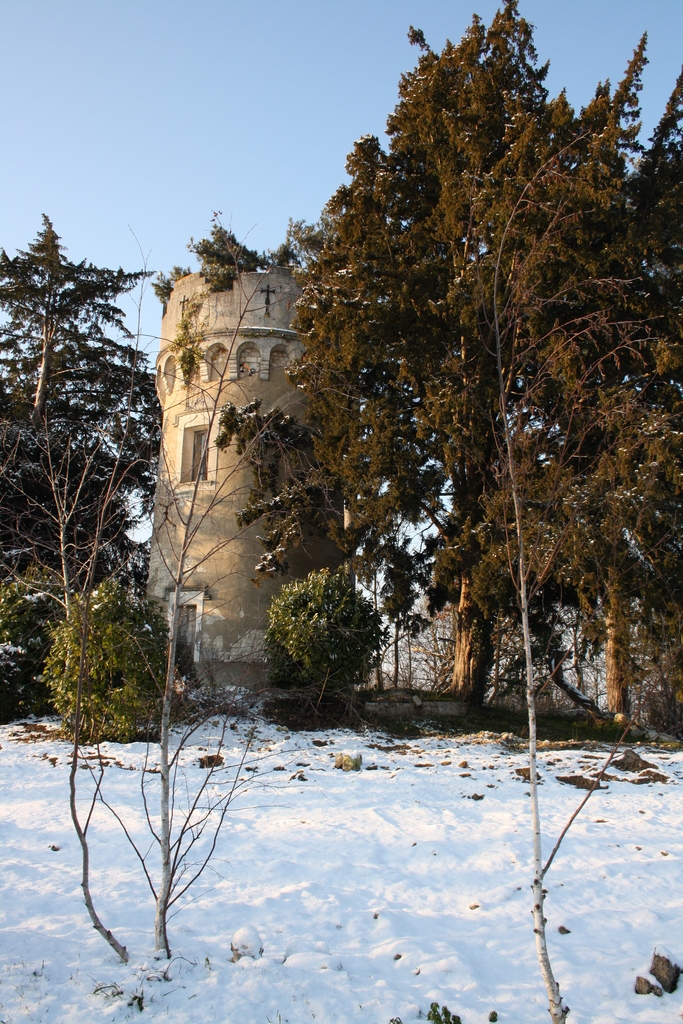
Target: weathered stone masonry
(247, 343)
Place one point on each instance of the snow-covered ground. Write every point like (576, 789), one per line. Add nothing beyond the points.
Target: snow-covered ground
(374, 892)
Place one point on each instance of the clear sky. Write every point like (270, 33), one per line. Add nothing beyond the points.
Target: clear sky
(146, 116)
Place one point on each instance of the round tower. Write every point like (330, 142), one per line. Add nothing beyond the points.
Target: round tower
(244, 343)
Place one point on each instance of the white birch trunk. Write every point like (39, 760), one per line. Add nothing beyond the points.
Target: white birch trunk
(81, 831)
(166, 877)
(558, 1012)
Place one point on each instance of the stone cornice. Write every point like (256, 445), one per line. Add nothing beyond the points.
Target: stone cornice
(257, 332)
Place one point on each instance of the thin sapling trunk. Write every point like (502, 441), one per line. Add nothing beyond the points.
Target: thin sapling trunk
(558, 1012)
(82, 830)
(165, 880)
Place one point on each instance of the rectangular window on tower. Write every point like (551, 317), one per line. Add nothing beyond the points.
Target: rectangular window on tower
(187, 624)
(199, 455)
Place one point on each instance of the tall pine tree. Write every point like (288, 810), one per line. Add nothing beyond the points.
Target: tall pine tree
(79, 415)
(492, 191)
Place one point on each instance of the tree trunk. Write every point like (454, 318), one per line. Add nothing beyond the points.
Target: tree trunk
(396, 638)
(558, 1012)
(470, 657)
(379, 682)
(81, 830)
(166, 880)
(496, 662)
(38, 410)
(616, 665)
(348, 523)
(66, 576)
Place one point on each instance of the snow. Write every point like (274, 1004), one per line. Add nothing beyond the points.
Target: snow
(373, 893)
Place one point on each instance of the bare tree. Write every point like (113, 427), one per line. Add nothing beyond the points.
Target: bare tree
(71, 498)
(548, 439)
(195, 816)
(65, 510)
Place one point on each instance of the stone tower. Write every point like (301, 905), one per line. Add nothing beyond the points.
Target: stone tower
(246, 343)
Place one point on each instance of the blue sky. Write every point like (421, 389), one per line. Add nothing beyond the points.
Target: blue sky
(146, 116)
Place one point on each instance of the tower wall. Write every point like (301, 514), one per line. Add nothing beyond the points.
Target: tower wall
(247, 343)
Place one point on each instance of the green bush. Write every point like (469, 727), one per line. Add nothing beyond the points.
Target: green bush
(26, 610)
(442, 1016)
(439, 1016)
(125, 665)
(322, 633)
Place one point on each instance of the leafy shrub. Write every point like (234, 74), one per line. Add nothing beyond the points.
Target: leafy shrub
(322, 633)
(439, 1016)
(442, 1016)
(26, 610)
(125, 664)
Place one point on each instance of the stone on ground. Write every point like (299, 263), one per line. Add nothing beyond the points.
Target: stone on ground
(665, 969)
(348, 762)
(246, 942)
(644, 987)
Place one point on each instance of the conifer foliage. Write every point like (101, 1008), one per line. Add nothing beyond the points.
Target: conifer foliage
(499, 213)
(79, 413)
(222, 258)
(27, 612)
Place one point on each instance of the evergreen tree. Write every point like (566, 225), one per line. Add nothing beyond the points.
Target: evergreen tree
(625, 553)
(164, 284)
(496, 209)
(27, 612)
(291, 497)
(395, 365)
(222, 258)
(126, 646)
(321, 634)
(79, 414)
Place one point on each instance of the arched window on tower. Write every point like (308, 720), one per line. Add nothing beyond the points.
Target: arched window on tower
(217, 358)
(278, 357)
(170, 371)
(249, 361)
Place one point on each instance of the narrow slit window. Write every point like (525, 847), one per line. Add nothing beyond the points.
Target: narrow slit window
(199, 455)
(187, 624)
